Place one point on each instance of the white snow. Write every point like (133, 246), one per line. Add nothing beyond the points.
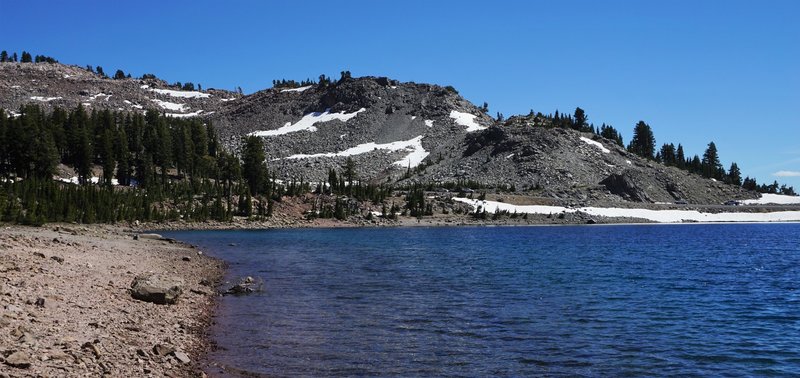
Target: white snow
(101, 94)
(429, 123)
(94, 180)
(416, 152)
(13, 114)
(660, 216)
(86, 103)
(170, 105)
(596, 144)
(15, 87)
(628, 162)
(777, 199)
(127, 102)
(145, 86)
(466, 119)
(181, 94)
(67, 76)
(44, 99)
(228, 99)
(413, 117)
(510, 156)
(137, 106)
(307, 123)
(184, 115)
(300, 89)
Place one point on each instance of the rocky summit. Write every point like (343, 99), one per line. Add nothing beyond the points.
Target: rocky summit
(392, 131)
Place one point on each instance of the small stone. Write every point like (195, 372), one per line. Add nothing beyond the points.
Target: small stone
(58, 259)
(39, 302)
(187, 258)
(39, 254)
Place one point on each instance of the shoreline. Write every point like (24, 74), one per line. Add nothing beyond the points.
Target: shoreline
(67, 310)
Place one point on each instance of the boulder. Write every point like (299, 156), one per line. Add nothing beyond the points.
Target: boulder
(19, 359)
(150, 236)
(156, 288)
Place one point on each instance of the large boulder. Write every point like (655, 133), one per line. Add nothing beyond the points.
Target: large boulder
(156, 288)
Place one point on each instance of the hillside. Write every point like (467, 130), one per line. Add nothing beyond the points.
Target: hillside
(402, 133)
(65, 86)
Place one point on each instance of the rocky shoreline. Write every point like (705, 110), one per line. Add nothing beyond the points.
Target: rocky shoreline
(67, 307)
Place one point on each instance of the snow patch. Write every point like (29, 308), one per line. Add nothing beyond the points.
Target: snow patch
(416, 152)
(228, 99)
(93, 180)
(300, 89)
(144, 86)
(15, 87)
(170, 105)
(181, 94)
(184, 115)
(44, 99)
(307, 123)
(777, 199)
(596, 144)
(660, 216)
(628, 162)
(101, 94)
(429, 123)
(466, 119)
(413, 117)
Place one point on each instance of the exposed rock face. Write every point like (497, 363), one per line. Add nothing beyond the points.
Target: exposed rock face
(623, 186)
(19, 359)
(156, 288)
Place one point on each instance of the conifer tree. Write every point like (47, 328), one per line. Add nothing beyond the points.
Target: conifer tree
(711, 166)
(253, 164)
(734, 175)
(643, 142)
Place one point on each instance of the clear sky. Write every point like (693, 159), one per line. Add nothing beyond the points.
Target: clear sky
(696, 71)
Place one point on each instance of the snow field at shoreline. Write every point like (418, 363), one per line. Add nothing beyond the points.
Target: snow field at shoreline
(660, 216)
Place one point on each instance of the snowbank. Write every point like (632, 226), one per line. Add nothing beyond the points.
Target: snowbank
(300, 89)
(429, 123)
(93, 180)
(596, 144)
(181, 94)
(170, 105)
(414, 158)
(44, 99)
(307, 123)
(777, 199)
(466, 119)
(660, 216)
(183, 115)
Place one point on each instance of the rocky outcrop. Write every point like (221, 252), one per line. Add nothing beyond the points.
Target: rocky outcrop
(622, 185)
(156, 288)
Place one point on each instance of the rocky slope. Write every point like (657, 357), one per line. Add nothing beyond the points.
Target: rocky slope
(389, 129)
(55, 84)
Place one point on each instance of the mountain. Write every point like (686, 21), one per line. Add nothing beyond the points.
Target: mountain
(395, 132)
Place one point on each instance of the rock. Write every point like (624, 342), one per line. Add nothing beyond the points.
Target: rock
(39, 254)
(186, 258)
(182, 357)
(92, 348)
(19, 359)
(247, 285)
(624, 186)
(162, 350)
(39, 302)
(156, 288)
(150, 236)
(57, 259)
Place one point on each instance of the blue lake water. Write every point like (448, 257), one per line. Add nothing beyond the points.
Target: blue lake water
(661, 300)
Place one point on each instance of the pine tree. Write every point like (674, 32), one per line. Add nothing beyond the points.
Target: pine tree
(734, 176)
(643, 142)
(119, 75)
(580, 121)
(711, 166)
(26, 57)
(3, 56)
(253, 164)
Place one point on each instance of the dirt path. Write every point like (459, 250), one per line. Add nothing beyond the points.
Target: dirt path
(65, 308)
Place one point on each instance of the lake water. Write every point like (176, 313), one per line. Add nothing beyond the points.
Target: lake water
(660, 300)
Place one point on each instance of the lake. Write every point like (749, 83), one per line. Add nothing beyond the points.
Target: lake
(643, 300)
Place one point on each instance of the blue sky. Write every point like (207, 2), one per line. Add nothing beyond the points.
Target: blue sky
(696, 71)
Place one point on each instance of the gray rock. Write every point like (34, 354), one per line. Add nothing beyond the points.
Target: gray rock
(19, 359)
(182, 357)
(150, 236)
(156, 288)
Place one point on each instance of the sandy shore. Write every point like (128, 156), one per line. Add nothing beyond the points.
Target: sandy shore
(65, 308)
